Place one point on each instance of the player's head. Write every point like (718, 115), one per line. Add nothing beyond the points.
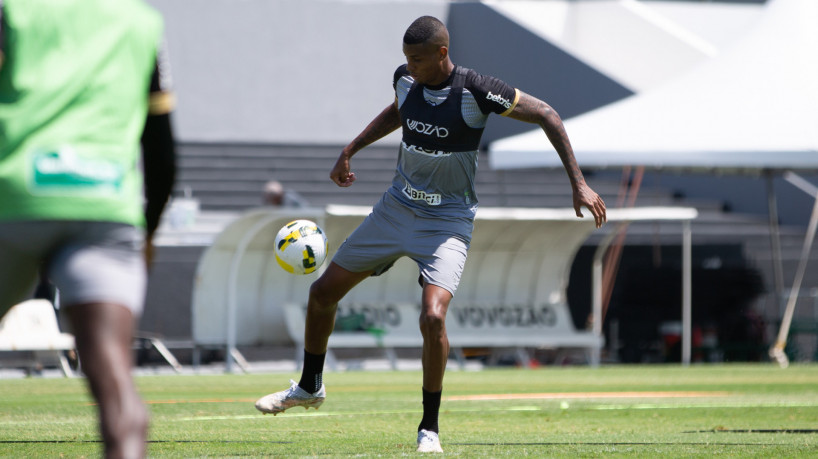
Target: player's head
(426, 47)
(426, 29)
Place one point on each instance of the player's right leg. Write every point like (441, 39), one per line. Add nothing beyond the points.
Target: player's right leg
(101, 274)
(325, 293)
(103, 333)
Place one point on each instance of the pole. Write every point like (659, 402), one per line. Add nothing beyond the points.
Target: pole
(777, 351)
(775, 241)
(596, 291)
(687, 303)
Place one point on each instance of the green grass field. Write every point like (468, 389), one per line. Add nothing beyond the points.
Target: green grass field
(617, 411)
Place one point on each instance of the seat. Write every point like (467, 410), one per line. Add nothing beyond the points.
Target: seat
(32, 326)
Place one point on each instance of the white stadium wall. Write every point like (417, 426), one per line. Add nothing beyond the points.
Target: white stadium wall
(512, 293)
(284, 71)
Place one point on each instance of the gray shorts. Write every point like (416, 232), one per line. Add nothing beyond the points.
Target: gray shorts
(439, 246)
(88, 262)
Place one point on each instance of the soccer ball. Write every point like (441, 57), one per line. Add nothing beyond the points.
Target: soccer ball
(301, 247)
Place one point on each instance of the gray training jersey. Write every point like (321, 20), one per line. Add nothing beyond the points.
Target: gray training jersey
(442, 126)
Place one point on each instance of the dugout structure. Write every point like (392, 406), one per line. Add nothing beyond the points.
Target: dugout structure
(512, 293)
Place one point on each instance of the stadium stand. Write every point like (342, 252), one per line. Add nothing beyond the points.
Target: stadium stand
(231, 177)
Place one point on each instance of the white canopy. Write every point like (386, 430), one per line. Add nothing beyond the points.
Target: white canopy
(755, 107)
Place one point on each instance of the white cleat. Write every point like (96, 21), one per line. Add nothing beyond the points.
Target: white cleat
(294, 396)
(428, 442)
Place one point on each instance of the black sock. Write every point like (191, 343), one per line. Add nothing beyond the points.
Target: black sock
(431, 408)
(313, 372)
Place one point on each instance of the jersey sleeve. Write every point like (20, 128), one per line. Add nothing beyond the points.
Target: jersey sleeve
(492, 94)
(162, 99)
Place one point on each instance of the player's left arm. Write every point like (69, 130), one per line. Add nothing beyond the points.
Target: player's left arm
(158, 149)
(532, 110)
(2, 36)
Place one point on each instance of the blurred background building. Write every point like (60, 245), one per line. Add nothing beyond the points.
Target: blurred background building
(273, 89)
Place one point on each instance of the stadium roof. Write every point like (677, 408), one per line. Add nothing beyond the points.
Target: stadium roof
(755, 107)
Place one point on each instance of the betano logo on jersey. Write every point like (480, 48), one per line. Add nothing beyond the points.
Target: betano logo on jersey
(428, 129)
(433, 199)
(499, 99)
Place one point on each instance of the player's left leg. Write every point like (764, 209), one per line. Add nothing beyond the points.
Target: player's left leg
(440, 249)
(435, 304)
(435, 341)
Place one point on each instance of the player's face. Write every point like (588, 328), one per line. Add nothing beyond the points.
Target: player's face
(425, 62)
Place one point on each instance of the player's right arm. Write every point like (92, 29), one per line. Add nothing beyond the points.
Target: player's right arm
(384, 124)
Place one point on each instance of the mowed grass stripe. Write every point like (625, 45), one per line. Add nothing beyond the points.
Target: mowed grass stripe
(752, 410)
(586, 395)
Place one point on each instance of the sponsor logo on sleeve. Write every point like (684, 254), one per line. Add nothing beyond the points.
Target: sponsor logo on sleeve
(499, 99)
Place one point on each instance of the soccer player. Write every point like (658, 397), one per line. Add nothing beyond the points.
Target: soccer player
(427, 214)
(81, 83)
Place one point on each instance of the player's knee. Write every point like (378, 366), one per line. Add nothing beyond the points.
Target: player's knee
(432, 323)
(321, 296)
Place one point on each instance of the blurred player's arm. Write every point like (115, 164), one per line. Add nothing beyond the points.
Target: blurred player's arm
(158, 151)
(159, 161)
(384, 124)
(2, 36)
(532, 110)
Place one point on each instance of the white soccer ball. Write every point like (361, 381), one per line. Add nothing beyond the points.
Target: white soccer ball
(301, 247)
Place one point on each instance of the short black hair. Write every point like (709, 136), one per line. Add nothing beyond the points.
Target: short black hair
(422, 30)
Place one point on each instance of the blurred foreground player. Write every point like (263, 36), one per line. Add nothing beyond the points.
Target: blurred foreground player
(81, 83)
(428, 212)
